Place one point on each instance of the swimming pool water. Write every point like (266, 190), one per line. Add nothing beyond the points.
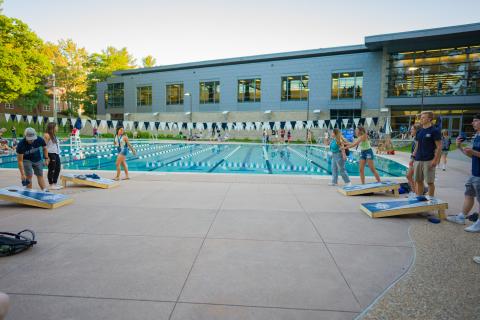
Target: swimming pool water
(215, 158)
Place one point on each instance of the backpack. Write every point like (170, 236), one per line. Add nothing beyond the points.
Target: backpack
(11, 243)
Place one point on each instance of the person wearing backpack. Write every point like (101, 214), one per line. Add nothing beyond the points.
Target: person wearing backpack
(446, 142)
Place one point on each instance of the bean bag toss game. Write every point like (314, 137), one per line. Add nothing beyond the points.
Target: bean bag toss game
(407, 206)
(91, 180)
(34, 198)
(373, 187)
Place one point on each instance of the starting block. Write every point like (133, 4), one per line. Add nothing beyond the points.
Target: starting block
(88, 180)
(372, 187)
(35, 198)
(407, 206)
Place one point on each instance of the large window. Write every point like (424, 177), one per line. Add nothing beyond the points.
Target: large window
(210, 92)
(441, 72)
(249, 90)
(347, 85)
(295, 88)
(144, 96)
(114, 95)
(174, 93)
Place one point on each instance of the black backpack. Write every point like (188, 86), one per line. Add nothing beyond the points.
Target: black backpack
(11, 243)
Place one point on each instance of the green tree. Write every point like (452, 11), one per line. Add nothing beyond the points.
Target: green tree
(23, 65)
(149, 61)
(102, 65)
(71, 67)
(35, 99)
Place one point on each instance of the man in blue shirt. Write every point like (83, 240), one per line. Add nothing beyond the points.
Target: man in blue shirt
(428, 148)
(472, 187)
(30, 159)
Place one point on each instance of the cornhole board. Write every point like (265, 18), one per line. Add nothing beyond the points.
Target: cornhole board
(372, 187)
(405, 206)
(97, 183)
(34, 198)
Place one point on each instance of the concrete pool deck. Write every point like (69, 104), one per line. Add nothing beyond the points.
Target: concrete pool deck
(198, 246)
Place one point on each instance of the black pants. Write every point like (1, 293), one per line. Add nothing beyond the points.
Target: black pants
(53, 168)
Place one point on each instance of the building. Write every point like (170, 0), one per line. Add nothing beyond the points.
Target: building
(392, 75)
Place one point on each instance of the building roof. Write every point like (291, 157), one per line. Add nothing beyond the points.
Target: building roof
(461, 35)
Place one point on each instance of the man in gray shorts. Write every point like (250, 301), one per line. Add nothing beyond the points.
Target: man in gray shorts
(472, 187)
(30, 159)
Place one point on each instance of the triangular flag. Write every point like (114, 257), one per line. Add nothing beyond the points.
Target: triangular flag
(356, 121)
(73, 121)
(40, 120)
(258, 125)
(7, 117)
(103, 123)
(64, 122)
(209, 126)
(162, 125)
(333, 122)
(114, 123)
(299, 125)
(84, 122)
(288, 125)
(345, 122)
(321, 123)
(368, 121)
(19, 117)
(51, 119)
(29, 119)
(152, 125)
(309, 124)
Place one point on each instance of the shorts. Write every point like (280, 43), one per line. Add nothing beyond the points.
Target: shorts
(33, 168)
(444, 152)
(472, 187)
(366, 154)
(123, 152)
(423, 171)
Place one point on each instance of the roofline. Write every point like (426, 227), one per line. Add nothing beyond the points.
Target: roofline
(249, 59)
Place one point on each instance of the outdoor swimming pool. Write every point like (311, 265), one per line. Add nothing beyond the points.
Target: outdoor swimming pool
(214, 158)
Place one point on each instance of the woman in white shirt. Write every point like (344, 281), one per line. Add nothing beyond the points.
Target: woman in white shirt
(53, 148)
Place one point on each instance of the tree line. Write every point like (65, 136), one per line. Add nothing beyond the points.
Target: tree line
(28, 66)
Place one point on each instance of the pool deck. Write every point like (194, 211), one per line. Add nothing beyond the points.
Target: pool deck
(199, 246)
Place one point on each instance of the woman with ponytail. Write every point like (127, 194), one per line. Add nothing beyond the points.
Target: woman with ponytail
(337, 147)
(53, 148)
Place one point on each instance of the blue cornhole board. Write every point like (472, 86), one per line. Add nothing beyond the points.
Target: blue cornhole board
(35, 198)
(97, 183)
(372, 187)
(406, 206)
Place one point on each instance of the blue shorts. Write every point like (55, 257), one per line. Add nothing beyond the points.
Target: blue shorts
(123, 151)
(366, 154)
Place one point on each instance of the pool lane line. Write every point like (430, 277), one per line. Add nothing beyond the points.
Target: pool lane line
(267, 161)
(223, 160)
(309, 160)
(186, 155)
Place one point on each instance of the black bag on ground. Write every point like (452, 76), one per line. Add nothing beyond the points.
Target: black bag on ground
(13, 243)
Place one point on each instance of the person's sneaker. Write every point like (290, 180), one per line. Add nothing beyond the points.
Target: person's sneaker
(474, 227)
(332, 184)
(477, 259)
(459, 218)
(55, 187)
(349, 184)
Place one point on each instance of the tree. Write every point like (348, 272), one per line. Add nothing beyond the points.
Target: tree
(149, 61)
(102, 65)
(35, 99)
(23, 65)
(70, 65)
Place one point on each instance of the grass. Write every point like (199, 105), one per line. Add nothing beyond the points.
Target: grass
(408, 148)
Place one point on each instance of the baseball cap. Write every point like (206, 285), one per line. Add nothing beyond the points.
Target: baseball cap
(30, 134)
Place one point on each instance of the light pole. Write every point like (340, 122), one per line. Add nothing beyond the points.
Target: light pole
(54, 98)
(188, 94)
(413, 69)
(308, 114)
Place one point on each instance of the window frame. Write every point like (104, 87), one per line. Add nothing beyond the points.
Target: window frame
(255, 99)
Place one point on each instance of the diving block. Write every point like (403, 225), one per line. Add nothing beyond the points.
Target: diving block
(407, 206)
(34, 198)
(88, 180)
(372, 187)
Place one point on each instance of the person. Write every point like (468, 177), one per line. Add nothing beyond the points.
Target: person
(472, 186)
(413, 131)
(122, 144)
(95, 132)
(2, 131)
(427, 154)
(30, 159)
(53, 148)
(4, 305)
(366, 153)
(4, 148)
(446, 142)
(282, 135)
(14, 132)
(289, 136)
(389, 149)
(337, 147)
(325, 137)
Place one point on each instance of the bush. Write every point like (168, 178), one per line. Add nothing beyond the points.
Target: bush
(107, 135)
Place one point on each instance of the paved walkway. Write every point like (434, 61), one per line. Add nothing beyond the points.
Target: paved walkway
(187, 246)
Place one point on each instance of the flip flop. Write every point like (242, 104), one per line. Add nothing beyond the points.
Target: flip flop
(116, 178)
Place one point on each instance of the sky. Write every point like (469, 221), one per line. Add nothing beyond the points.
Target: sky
(178, 31)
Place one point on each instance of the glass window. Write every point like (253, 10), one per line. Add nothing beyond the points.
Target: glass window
(210, 92)
(46, 107)
(295, 88)
(114, 95)
(440, 72)
(249, 90)
(347, 85)
(144, 96)
(174, 93)
(9, 106)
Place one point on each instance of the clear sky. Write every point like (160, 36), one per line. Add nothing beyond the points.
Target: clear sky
(177, 31)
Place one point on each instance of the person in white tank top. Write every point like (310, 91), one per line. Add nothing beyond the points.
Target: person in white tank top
(53, 148)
